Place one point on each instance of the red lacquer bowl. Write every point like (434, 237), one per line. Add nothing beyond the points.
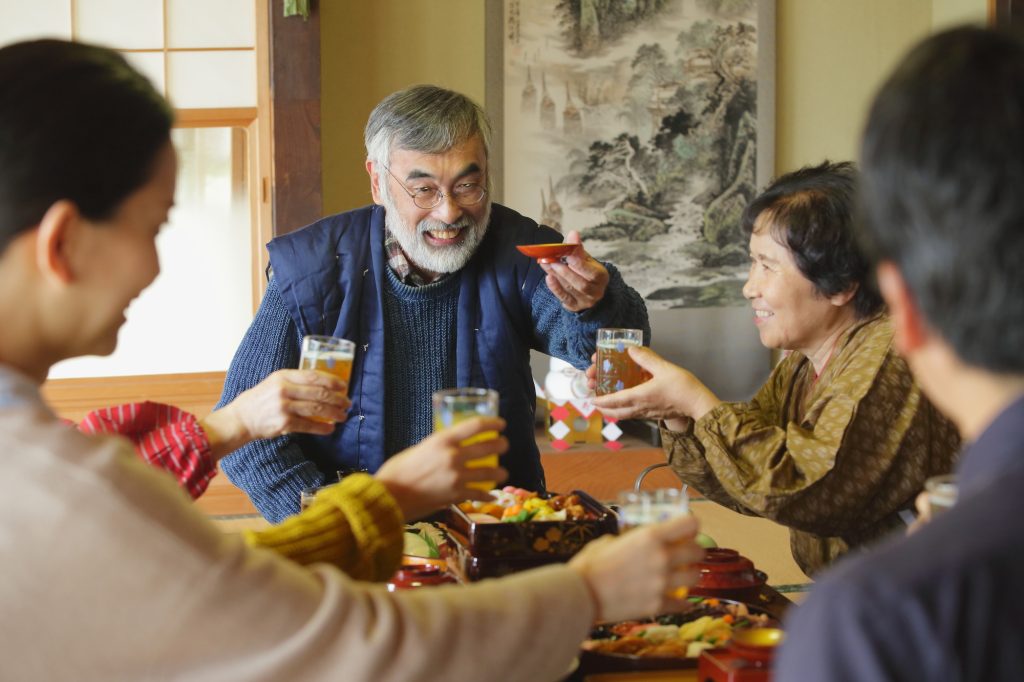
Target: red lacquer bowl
(546, 253)
(409, 577)
(726, 572)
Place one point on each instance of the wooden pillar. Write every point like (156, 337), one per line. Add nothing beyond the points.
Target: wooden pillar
(297, 191)
(1006, 13)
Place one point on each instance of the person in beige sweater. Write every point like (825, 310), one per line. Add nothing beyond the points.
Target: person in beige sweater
(109, 571)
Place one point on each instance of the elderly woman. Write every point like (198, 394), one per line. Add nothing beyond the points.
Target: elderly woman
(840, 439)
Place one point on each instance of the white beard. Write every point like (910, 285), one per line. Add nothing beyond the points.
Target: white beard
(429, 258)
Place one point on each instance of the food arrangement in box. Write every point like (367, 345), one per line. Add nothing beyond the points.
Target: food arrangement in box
(518, 523)
(671, 640)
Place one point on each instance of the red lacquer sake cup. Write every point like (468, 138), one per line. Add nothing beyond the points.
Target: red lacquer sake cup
(546, 253)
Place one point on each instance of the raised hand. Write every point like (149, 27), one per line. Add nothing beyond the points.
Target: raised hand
(287, 401)
(580, 281)
(672, 393)
(640, 573)
(433, 473)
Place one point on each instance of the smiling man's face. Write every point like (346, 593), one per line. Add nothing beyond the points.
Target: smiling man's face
(441, 239)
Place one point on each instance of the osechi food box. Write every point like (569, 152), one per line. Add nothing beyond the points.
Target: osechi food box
(673, 641)
(519, 529)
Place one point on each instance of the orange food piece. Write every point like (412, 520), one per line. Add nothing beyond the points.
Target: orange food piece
(495, 510)
(512, 511)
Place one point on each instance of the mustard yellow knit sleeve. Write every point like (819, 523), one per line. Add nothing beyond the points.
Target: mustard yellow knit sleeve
(355, 525)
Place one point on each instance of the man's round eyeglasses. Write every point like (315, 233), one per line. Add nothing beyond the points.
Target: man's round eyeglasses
(464, 193)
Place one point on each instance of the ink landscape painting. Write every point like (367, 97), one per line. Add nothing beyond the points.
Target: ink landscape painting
(635, 122)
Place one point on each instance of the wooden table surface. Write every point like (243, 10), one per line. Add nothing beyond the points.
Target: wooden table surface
(602, 473)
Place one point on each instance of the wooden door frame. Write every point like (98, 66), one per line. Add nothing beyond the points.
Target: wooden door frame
(1006, 13)
(296, 185)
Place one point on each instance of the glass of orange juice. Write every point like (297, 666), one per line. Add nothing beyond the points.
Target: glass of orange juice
(615, 369)
(328, 354)
(455, 405)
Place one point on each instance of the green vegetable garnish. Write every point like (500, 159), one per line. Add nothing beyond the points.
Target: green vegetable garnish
(435, 553)
(521, 517)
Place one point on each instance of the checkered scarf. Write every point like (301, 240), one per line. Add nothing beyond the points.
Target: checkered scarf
(398, 262)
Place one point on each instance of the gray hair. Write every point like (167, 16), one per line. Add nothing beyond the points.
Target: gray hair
(426, 119)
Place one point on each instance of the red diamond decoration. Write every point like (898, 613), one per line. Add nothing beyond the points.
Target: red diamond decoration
(561, 445)
(613, 445)
(560, 413)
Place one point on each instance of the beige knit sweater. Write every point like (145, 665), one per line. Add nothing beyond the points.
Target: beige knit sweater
(109, 573)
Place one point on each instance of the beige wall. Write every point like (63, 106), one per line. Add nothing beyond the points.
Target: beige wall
(370, 49)
(831, 56)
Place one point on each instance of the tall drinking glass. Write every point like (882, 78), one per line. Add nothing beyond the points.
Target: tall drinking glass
(942, 493)
(306, 497)
(328, 354)
(642, 507)
(459, 404)
(615, 369)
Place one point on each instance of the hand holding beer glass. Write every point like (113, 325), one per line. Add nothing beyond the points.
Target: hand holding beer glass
(617, 371)
(642, 507)
(328, 354)
(645, 507)
(459, 404)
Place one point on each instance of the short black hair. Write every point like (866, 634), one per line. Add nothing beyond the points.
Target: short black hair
(77, 123)
(811, 212)
(943, 189)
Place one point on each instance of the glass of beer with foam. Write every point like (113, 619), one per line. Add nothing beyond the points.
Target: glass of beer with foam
(328, 354)
(456, 405)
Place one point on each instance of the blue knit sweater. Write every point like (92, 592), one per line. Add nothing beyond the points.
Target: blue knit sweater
(420, 348)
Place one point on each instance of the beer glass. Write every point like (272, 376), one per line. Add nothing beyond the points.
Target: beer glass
(942, 493)
(642, 507)
(306, 497)
(459, 404)
(328, 354)
(615, 369)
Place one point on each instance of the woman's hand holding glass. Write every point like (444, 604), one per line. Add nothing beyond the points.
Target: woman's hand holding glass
(672, 393)
(434, 473)
(643, 572)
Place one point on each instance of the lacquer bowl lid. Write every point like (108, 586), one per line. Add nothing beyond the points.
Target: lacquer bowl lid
(727, 569)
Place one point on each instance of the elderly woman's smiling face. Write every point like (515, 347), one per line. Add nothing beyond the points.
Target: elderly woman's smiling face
(789, 312)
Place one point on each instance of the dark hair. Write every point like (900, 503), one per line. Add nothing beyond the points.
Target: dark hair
(77, 123)
(811, 212)
(943, 156)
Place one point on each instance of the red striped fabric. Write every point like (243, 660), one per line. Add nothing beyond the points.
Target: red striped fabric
(164, 436)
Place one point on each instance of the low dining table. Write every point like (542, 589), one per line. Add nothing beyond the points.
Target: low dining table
(603, 472)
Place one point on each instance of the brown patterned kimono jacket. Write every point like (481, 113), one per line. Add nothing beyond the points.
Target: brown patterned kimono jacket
(834, 459)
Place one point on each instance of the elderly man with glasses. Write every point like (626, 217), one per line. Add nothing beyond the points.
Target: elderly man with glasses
(429, 285)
